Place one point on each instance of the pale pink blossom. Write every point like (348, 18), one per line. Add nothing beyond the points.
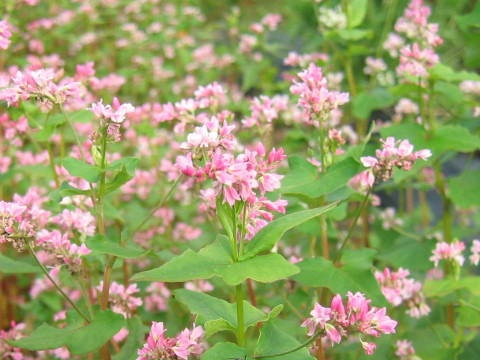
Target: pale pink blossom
(450, 252)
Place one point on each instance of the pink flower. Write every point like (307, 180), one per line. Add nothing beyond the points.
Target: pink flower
(5, 34)
(369, 347)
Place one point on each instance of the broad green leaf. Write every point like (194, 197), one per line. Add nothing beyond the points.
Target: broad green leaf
(408, 253)
(444, 72)
(211, 308)
(365, 103)
(216, 260)
(45, 133)
(337, 175)
(469, 314)
(10, 266)
(188, 266)
(439, 288)
(463, 190)
(82, 116)
(471, 21)
(135, 339)
(302, 173)
(64, 190)
(130, 164)
(354, 274)
(267, 237)
(78, 338)
(226, 350)
(357, 11)
(273, 340)
(265, 269)
(81, 169)
(105, 245)
(415, 134)
(453, 137)
(122, 177)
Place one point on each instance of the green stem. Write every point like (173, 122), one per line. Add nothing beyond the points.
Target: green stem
(288, 302)
(70, 123)
(306, 343)
(392, 7)
(240, 316)
(153, 211)
(55, 284)
(352, 227)
(406, 233)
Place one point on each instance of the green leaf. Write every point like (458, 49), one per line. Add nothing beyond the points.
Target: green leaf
(273, 340)
(226, 350)
(79, 339)
(81, 169)
(265, 269)
(123, 176)
(453, 137)
(354, 34)
(106, 246)
(64, 190)
(313, 187)
(354, 274)
(134, 341)
(444, 72)
(357, 10)
(440, 288)
(463, 190)
(225, 214)
(267, 237)
(129, 162)
(209, 308)
(469, 313)
(45, 133)
(470, 21)
(188, 266)
(365, 103)
(10, 266)
(215, 260)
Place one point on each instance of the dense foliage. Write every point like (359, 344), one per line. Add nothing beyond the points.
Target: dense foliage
(239, 180)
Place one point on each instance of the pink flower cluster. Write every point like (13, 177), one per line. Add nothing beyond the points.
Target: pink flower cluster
(398, 289)
(357, 316)
(62, 250)
(475, 249)
(121, 298)
(5, 34)
(416, 58)
(40, 85)
(405, 351)
(15, 333)
(294, 59)
(393, 154)
(157, 298)
(265, 110)
(315, 99)
(15, 227)
(450, 252)
(186, 343)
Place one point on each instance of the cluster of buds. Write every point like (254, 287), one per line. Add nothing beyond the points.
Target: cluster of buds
(398, 289)
(357, 316)
(111, 118)
(15, 227)
(316, 100)
(122, 299)
(157, 298)
(186, 343)
(62, 250)
(40, 85)
(475, 249)
(15, 333)
(393, 154)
